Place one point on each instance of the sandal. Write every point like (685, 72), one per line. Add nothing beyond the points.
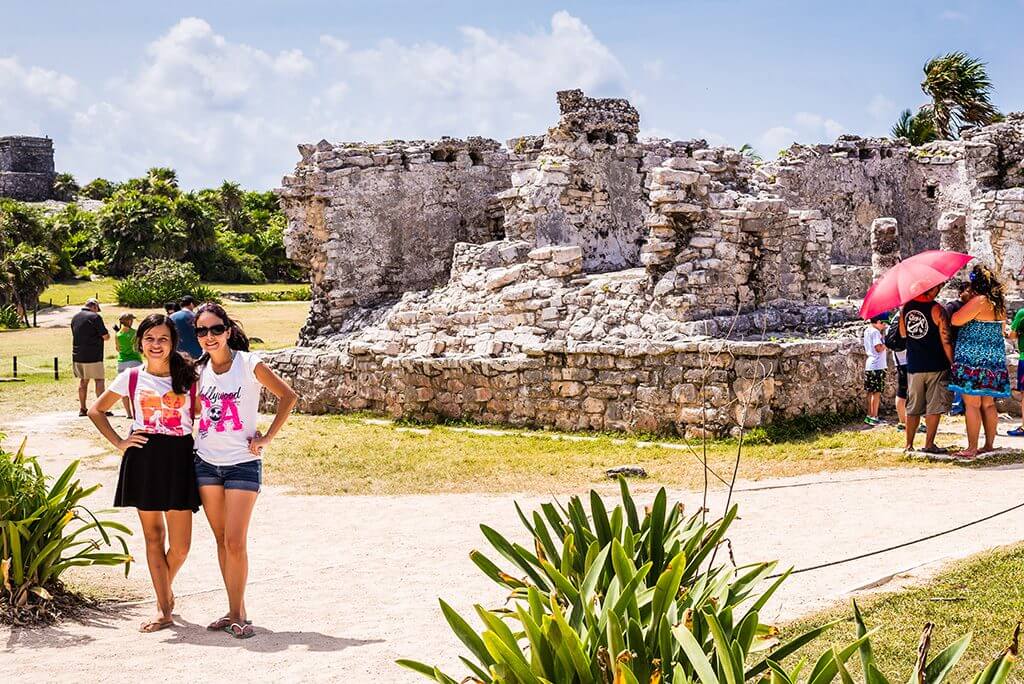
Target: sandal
(937, 450)
(240, 631)
(219, 624)
(966, 455)
(155, 626)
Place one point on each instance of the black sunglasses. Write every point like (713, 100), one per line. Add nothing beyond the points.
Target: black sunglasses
(203, 331)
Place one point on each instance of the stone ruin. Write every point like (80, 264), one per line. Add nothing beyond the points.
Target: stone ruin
(26, 168)
(586, 279)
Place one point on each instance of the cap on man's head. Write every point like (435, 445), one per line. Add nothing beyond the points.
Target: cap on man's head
(92, 301)
(880, 318)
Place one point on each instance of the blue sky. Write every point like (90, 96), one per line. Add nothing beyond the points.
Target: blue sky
(227, 89)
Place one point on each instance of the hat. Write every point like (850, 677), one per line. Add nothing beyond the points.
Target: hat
(880, 318)
(92, 301)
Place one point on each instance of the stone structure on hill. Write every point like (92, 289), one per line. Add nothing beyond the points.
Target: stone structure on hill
(586, 279)
(26, 168)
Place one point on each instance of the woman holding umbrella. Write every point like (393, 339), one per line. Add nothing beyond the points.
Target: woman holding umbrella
(979, 362)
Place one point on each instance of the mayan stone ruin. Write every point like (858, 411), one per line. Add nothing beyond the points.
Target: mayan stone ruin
(26, 168)
(589, 279)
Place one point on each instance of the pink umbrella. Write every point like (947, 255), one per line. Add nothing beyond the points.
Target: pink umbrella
(909, 278)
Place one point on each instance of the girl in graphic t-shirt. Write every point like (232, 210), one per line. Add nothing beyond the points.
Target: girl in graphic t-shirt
(228, 463)
(157, 475)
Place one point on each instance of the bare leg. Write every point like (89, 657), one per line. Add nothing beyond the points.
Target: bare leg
(972, 414)
(101, 385)
(901, 409)
(213, 505)
(931, 424)
(179, 535)
(911, 431)
(83, 392)
(990, 419)
(153, 528)
(874, 400)
(238, 505)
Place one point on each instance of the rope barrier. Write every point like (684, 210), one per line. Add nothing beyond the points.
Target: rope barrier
(903, 545)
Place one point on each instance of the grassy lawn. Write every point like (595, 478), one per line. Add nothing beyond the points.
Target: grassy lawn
(275, 323)
(348, 455)
(80, 290)
(983, 595)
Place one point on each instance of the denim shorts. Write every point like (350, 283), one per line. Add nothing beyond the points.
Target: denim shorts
(247, 476)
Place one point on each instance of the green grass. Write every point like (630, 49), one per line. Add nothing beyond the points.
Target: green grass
(275, 323)
(346, 455)
(77, 291)
(983, 595)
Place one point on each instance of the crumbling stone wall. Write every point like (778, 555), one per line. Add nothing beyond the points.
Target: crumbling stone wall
(995, 230)
(683, 387)
(26, 168)
(374, 221)
(581, 183)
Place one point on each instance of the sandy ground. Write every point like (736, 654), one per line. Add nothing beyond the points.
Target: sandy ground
(342, 586)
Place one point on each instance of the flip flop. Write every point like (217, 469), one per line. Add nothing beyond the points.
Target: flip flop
(240, 631)
(219, 624)
(966, 455)
(155, 626)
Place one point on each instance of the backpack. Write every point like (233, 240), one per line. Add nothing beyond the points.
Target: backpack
(893, 340)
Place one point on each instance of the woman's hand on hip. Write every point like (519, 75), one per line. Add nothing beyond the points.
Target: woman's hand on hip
(136, 439)
(257, 443)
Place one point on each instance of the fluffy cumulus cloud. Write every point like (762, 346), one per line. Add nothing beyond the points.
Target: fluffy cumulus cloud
(805, 127)
(34, 100)
(217, 108)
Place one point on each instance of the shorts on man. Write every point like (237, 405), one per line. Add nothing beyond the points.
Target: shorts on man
(928, 393)
(89, 371)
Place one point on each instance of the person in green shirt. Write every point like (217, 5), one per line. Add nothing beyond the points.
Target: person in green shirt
(1017, 333)
(127, 355)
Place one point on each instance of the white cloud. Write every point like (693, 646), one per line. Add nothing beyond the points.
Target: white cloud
(881, 107)
(216, 108)
(952, 15)
(775, 139)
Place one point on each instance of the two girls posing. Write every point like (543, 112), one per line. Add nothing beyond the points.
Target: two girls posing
(166, 472)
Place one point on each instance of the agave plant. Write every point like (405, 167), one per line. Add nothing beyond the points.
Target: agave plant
(606, 596)
(38, 539)
(616, 599)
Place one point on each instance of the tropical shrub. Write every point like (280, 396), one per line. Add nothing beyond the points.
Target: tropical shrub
(133, 224)
(79, 239)
(9, 317)
(40, 540)
(612, 598)
(98, 189)
(65, 187)
(155, 281)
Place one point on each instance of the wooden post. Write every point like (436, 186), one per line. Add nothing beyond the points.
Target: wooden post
(35, 312)
(56, 372)
(67, 299)
(15, 366)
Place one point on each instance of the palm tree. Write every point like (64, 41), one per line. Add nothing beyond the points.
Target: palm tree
(960, 88)
(917, 128)
(65, 187)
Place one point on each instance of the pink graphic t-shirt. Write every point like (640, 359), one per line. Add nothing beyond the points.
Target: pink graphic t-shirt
(158, 410)
(229, 403)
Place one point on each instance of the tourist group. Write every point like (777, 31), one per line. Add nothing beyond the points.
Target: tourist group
(191, 388)
(950, 359)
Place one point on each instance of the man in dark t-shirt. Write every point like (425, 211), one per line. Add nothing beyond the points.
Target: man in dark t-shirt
(925, 326)
(87, 336)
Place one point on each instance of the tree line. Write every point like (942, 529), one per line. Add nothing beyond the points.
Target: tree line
(228, 234)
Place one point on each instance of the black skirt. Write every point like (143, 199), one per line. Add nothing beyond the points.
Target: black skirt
(159, 475)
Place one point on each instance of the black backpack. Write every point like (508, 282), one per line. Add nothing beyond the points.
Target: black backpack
(893, 340)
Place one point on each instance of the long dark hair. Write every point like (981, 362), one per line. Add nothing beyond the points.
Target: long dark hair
(183, 369)
(984, 282)
(237, 339)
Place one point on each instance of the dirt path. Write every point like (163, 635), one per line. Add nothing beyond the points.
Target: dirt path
(342, 586)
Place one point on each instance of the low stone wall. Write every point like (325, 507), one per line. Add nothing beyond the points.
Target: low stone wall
(639, 387)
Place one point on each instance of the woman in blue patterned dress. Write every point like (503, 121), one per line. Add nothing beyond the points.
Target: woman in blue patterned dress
(979, 361)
